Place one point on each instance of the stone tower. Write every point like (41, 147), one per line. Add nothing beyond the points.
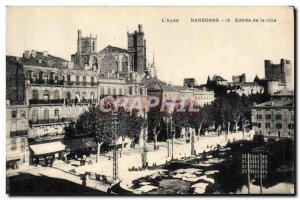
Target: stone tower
(137, 50)
(86, 46)
(281, 72)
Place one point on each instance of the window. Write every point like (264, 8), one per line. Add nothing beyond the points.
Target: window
(34, 115)
(14, 114)
(278, 116)
(13, 144)
(56, 112)
(268, 116)
(46, 95)
(292, 117)
(92, 79)
(84, 79)
(278, 125)
(45, 79)
(109, 91)
(56, 94)
(77, 80)
(259, 116)
(114, 91)
(68, 95)
(259, 125)
(291, 126)
(46, 114)
(23, 113)
(102, 90)
(35, 94)
(68, 78)
(120, 91)
(268, 125)
(23, 144)
(130, 91)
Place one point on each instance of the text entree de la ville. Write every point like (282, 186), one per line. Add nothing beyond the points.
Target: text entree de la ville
(216, 20)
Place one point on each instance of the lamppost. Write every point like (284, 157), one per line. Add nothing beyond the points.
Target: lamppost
(168, 142)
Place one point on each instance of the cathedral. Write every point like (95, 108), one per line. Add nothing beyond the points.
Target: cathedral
(115, 62)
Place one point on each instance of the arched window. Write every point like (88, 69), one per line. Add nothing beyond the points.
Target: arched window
(56, 94)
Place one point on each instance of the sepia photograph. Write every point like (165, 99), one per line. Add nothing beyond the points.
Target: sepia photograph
(157, 100)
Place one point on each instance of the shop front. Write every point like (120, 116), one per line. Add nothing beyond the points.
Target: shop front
(45, 154)
(15, 161)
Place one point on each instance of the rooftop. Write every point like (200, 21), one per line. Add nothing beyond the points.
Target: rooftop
(43, 59)
(218, 78)
(276, 103)
(113, 49)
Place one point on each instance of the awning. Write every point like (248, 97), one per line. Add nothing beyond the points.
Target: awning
(47, 148)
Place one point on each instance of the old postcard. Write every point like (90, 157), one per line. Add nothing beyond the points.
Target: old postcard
(150, 100)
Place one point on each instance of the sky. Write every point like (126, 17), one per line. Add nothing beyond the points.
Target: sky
(182, 49)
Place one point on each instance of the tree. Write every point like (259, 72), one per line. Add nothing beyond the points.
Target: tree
(93, 123)
(204, 116)
(155, 123)
(129, 126)
(187, 120)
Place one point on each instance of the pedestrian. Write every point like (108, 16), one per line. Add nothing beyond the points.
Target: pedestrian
(84, 181)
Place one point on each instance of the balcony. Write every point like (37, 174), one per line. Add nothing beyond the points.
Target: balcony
(21, 133)
(49, 102)
(82, 101)
(85, 84)
(49, 121)
(47, 82)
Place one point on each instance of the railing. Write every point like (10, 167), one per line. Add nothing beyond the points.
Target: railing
(49, 121)
(48, 82)
(76, 83)
(85, 101)
(18, 133)
(61, 83)
(42, 101)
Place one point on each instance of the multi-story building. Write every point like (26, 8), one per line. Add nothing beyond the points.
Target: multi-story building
(168, 93)
(274, 118)
(17, 151)
(240, 86)
(56, 91)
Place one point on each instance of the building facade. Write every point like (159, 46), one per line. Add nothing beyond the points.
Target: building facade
(17, 149)
(274, 118)
(54, 92)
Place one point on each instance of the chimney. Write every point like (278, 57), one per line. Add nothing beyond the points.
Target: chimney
(45, 53)
(33, 53)
(140, 28)
(26, 54)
